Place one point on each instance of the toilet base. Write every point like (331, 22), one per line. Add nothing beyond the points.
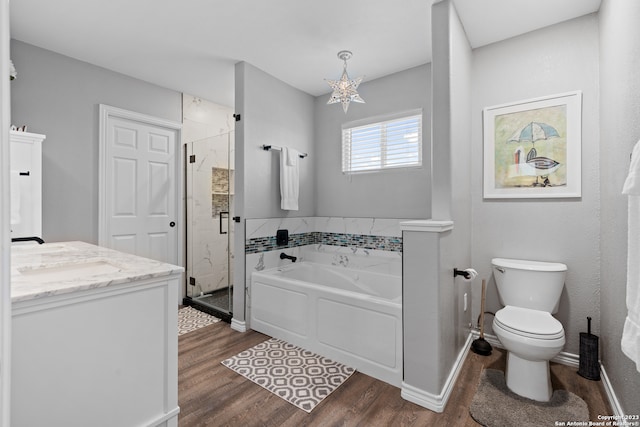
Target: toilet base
(528, 378)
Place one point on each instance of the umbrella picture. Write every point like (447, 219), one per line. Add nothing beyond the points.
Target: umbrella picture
(532, 148)
(535, 165)
(534, 131)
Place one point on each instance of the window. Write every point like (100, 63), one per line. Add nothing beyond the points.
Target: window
(392, 143)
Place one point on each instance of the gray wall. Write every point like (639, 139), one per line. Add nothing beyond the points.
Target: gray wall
(619, 131)
(435, 322)
(452, 58)
(59, 96)
(557, 59)
(274, 113)
(427, 342)
(403, 193)
(460, 252)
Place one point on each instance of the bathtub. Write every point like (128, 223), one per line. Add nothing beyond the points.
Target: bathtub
(350, 316)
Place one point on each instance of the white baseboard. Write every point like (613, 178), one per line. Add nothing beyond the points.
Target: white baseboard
(573, 360)
(432, 401)
(168, 419)
(568, 359)
(238, 325)
(422, 398)
(611, 394)
(562, 358)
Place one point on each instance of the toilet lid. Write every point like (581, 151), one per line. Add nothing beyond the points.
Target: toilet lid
(527, 322)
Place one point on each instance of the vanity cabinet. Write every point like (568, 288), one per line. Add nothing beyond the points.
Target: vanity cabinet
(94, 338)
(26, 184)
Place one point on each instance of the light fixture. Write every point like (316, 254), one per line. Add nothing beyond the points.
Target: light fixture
(344, 90)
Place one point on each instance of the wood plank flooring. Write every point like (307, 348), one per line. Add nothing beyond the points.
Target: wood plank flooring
(210, 394)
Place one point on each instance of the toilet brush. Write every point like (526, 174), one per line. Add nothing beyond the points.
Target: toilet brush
(481, 346)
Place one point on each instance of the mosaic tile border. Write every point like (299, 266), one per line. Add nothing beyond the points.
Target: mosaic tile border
(364, 241)
(266, 244)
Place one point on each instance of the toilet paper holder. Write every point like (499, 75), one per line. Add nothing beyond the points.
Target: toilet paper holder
(465, 274)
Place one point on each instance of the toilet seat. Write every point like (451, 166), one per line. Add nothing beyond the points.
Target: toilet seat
(529, 323)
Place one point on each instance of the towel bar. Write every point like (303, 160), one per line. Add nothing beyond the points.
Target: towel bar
(266, 147)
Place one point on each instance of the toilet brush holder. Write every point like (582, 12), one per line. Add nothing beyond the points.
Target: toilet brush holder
(481, 346)
(589, 367)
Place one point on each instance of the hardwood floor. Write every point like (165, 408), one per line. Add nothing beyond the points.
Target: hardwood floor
(210, 394)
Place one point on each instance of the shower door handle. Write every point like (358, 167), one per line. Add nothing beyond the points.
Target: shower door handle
(223, 213)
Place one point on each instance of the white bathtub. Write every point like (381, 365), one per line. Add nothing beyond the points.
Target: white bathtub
(350, 316)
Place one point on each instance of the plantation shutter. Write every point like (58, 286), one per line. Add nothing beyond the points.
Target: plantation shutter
(393, 143)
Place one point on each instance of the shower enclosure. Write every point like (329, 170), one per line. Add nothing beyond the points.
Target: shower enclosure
(209, 210)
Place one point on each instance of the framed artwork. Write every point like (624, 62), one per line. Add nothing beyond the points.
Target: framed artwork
(532, 148)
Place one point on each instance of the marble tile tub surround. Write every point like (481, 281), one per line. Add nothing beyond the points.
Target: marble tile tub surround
(39, 271)
(363, 243)
(266, 227)
(377, 261)
(366, 233)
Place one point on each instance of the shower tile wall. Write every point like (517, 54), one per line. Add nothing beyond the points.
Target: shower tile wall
(208, 247)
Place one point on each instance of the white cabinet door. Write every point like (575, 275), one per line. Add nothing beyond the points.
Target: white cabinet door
(26, 184)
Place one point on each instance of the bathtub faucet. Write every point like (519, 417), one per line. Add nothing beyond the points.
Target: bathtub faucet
(285, 256)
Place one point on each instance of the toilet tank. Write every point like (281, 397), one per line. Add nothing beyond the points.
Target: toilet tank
(529, 284)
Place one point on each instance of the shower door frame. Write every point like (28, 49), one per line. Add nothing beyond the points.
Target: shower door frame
(190, 281)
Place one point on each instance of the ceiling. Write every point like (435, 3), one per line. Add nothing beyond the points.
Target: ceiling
(191, 46)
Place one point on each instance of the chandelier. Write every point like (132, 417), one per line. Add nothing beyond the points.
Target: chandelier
(344, 90)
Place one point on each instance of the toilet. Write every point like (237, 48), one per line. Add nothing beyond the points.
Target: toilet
(530, 292)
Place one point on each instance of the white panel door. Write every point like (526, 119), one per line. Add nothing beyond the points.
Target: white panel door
(140, 210)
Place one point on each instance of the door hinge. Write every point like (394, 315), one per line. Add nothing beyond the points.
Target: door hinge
(236, 218)
(237, 117)
(192, 158)
(192, 281)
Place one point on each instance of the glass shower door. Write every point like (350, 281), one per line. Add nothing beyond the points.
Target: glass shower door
(209, 199)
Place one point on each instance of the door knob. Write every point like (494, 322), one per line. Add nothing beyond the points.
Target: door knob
(172, 224)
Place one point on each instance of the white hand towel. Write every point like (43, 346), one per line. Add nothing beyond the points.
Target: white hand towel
(289, 178)
(15, 198)
(631, 333)
(292, 157)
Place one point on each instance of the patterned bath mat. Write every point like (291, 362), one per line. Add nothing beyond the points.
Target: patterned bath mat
(298, 376)
(494, 405)
(190, 319)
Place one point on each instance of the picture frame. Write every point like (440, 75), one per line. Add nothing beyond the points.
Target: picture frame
(533, 148)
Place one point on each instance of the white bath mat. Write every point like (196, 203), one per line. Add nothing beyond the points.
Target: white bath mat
(298, 376)
(190, 319)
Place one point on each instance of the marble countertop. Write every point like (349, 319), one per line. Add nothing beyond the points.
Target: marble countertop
(39, 271)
